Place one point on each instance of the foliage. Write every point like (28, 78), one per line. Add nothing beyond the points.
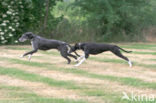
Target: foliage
(106, 20)
(77, 20)
(11, 17)
(19, 16)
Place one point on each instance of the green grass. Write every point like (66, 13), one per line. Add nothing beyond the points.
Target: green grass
(15, 93)
(14, 72)
(21, 95)
(6, 87)
(16, 48)
(25, 96)
(151, 53)
(148, 66)
(126, 81)
(53, 100)
(108, 60)
(50, 53)
(32, 77)
(139, 46)
(153, 59)
(109, 96)
(42, 100)
(123, 80)
(118, 61)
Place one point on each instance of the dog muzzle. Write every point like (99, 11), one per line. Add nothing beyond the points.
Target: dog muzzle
(22, 39)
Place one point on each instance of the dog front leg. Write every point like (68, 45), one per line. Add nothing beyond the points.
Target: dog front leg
(80, 58)
(31, 52)
(29, 58)
(83, 59)
(85, 56)
(77, 54)
(130, 63)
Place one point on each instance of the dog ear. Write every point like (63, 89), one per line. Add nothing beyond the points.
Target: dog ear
(30, 35)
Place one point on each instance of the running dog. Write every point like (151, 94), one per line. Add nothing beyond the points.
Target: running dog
(97, 48)
(40, 43)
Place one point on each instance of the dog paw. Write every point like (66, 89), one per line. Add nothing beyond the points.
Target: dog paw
(130, 64)
(29, 57)
(76, 65)
(21, 56)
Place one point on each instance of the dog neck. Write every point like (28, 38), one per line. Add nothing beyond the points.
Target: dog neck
(34, 36)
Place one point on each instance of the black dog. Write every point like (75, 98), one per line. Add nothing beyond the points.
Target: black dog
(46, 44)
(96, 48)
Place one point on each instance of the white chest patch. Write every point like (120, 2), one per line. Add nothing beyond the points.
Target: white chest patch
(68, 48)
(32, 44)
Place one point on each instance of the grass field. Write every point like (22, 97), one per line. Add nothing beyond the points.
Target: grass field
(101, 79)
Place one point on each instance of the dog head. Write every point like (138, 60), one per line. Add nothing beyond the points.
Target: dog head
(75, 47)
(26, 36)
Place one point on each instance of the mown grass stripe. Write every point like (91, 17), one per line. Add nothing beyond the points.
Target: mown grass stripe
(139, 46)
(22, 95)
(135, 82)
(151, 66)
(43, 52)
(16, 48)
(153, 59)
(42, 100)
(53, 100)
(149, 53)
(36, 78)
(130, 45)
(57, 53)
(14, 72)
(116, 98)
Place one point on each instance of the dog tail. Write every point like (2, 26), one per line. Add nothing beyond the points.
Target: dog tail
(124, 50)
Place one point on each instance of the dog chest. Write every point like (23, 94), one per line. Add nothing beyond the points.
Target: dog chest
(32, 44)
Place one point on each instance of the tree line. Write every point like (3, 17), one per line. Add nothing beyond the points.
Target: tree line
(77, 20)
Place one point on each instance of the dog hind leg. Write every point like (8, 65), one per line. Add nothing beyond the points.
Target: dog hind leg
(118, 53)
(65, 56)
(63, 52)
(72, 56)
